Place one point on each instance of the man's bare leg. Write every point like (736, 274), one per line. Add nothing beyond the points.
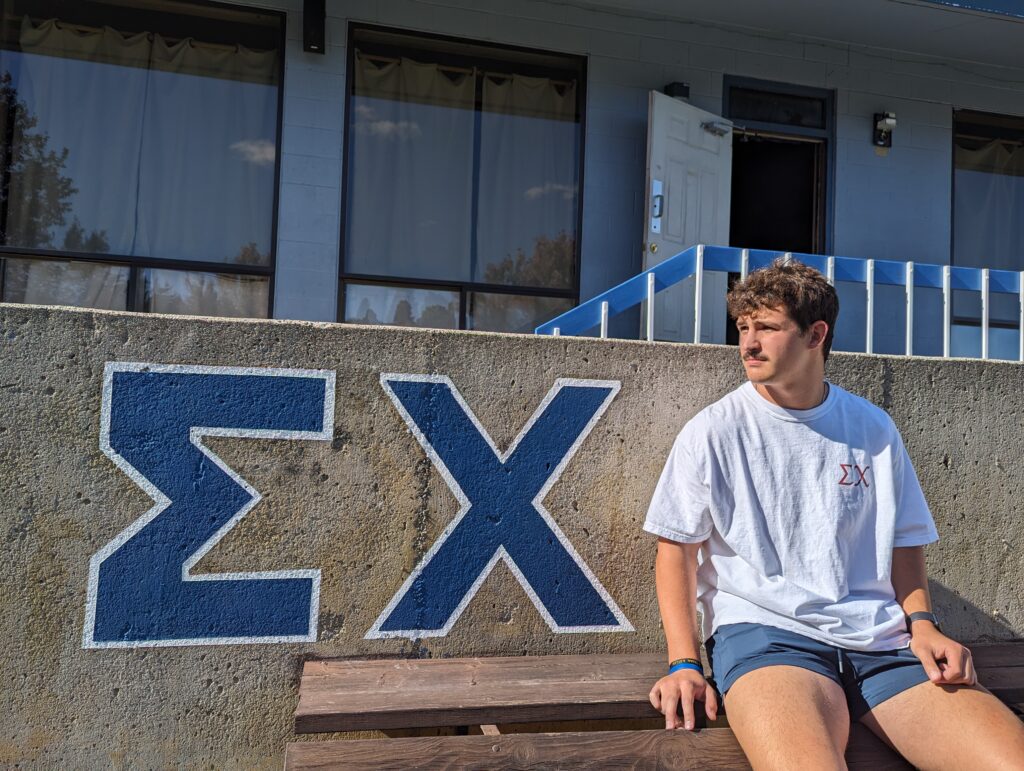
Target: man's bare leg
(950, 727)
(789, 717)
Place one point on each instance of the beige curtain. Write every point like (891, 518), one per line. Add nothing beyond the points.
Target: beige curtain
(207, 294)
(996, 157)
(529, 166)
(530, 97)
(81, 284)
(411, 170)
(988, 215)
(406, 80)
(149, 51)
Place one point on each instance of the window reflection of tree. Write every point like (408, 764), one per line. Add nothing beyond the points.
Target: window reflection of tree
(35, 194)
(550, 265)
(442, 316)
(251, 255)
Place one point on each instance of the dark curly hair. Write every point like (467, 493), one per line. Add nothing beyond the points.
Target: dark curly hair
(800, 289)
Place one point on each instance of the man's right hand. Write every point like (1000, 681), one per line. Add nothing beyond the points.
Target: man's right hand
(680, 689)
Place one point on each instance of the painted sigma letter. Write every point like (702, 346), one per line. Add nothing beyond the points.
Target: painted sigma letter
(142, 590)
(502, 516)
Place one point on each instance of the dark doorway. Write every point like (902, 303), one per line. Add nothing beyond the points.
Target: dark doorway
(777, 194)
(780, 168)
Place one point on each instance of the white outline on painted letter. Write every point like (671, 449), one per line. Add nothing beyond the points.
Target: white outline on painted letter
(161, 501)
(375, 631)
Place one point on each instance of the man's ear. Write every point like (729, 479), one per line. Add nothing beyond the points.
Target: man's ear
(819, 331)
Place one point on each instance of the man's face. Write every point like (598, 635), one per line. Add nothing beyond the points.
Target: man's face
(773, 349)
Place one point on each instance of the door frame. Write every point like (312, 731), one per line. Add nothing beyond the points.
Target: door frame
(782, 130)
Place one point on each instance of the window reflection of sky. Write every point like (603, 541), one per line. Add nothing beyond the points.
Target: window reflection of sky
(411, 184)
(168, 165)
(527, 190)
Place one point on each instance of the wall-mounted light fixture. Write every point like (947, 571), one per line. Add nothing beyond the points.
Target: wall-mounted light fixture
(677, 90)
(885, 123)
(314, 22)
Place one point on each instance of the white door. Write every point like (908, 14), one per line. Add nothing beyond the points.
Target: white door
(689, 181)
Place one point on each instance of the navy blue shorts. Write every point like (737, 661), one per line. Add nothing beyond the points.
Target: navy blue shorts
(867, 677)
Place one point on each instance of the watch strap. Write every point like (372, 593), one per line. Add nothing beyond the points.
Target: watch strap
(922, 615)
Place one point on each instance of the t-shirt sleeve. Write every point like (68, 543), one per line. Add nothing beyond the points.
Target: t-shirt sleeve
(914, 523)
(680, 508)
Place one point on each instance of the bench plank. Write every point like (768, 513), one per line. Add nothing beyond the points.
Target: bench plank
(713, 748)
(381, 694)
(374, 674)
(1006, 654)
(418, 693)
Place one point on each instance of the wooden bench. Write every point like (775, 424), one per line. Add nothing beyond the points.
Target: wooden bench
(494, 696)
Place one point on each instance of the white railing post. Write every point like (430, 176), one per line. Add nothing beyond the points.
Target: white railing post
(830, 269)
(698, 293)
(650, 306)
(1020, 295)
(604, 319)
(744, 264)
(556, 332)
(984, 313)
(910, 309)
(947, 306)
(870, 330)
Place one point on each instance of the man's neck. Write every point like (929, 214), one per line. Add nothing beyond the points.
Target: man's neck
(800, 396)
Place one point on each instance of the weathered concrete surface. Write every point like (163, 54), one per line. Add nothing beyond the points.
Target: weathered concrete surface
(364, 507)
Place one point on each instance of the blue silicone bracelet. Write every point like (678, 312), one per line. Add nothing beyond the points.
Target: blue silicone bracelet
(686, 665)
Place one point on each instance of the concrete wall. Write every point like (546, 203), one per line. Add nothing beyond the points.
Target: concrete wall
(362, 503)
(892, 207)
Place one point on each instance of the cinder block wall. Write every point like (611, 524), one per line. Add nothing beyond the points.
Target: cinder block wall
(364, 503)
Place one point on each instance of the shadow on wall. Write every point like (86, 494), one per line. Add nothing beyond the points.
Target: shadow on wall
(965, 622)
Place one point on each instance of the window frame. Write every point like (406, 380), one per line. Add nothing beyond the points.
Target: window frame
(827, 134)
(463, 287)
(137, 264)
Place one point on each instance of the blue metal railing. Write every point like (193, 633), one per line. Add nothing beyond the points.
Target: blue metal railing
(596, 312)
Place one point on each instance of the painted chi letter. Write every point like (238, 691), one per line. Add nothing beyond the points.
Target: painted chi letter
(501, 515)
(142, 590)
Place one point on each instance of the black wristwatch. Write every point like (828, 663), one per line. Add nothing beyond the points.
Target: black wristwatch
(922, 615)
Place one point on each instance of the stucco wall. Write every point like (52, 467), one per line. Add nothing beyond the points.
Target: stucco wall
(364, 503)
(892, 207)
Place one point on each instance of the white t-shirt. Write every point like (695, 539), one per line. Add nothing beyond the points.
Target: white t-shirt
(800, 510)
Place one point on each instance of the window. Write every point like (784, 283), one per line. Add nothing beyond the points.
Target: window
(139, 155)
(988, 230)
(778, 107)
(462, 184)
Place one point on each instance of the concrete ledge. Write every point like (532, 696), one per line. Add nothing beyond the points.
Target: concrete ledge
(364, 503)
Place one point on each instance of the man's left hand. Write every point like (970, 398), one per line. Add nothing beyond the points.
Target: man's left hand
(946, 661)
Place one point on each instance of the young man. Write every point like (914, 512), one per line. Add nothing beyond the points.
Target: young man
(812, 580)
